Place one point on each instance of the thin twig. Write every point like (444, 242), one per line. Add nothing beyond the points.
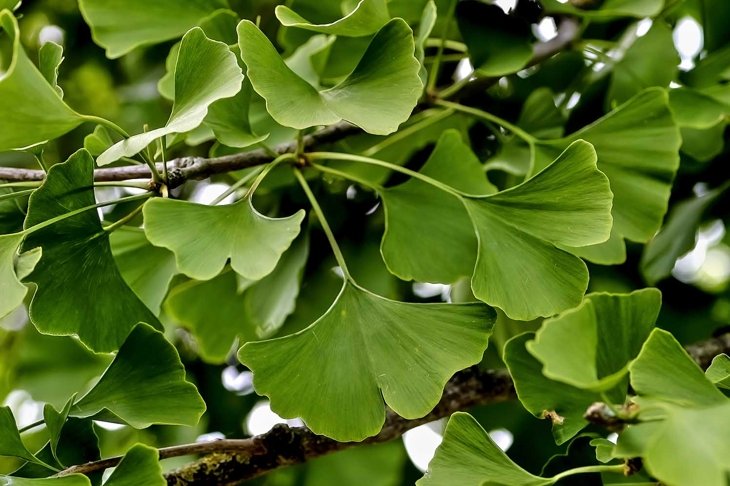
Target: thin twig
(190, 168)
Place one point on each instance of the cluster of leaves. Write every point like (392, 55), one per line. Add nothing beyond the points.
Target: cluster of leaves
(518, 217)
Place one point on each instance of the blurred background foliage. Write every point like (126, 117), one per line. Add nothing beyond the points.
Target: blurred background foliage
(686, 46)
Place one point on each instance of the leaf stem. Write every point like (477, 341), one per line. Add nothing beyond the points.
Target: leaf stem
(107, 123)
(28, 427)
(124, 219)
(70, 214)
(490, 117)
(345, 175)
(387, 165)
(13, 195)
(429, 118)
(268, 168)
(325, 225)
(619, 469)
(236, 185)
(434, 72)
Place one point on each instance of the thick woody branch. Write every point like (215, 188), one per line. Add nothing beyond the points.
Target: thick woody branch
(231, 461)
(189, 168)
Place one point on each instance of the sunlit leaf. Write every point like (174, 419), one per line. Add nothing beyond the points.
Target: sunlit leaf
(206, 71)
(336, 373)
(719, 371)
(140, 465)
(428, 236)
(469, 457)
(651, 61)
(563, 404)
(144, 22)
(377, 96)
(50, 57)
(80, 290)
(677, 237)
(686, 385)
(147, 269)
(590, 347)
(498, 43)
(203, 237)
(144, 385)
(519, 230)
(31, 110)
(366, 18)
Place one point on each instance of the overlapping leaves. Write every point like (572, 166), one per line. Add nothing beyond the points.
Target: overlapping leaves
(519, 232)
(79, 288)
(206, 71)
(377, 96)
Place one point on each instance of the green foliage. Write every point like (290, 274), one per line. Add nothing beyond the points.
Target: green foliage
(157, 280)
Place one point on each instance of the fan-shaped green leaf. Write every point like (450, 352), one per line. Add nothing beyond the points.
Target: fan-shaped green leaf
(31, 110)
(563, 404)
(366, 18)
(50, 57)
(520, 229)
(469, 457)
(425, 26)
(498, 43)
(143, 22)
(139, 466)
(377, 96)
(80, 290)
(206, 71)
(332, 374)
(144, 385)
(203, 238)
(590, 347)
(685, 386)
(719, 371)
(701, 436)
(428, 236)
(147, 269)
(55, 421)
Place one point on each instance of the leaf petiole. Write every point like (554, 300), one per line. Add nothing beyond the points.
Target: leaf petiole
(325, 226)
(529, 139)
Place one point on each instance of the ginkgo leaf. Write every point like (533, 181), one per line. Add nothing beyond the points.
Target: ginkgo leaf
(79, 288)
(139, 466)
(591, 346)
(564, 405)
(378, 95)
(55, 420)
(640, 162)
(144, 385)
(428, 235)
(685, 386)
(50, 57)
(70, 480)
(520, 267)
(10, 441)
(147, 269)
(365, 19)
(44, 116)
(12, 290)
(144, 22)
(719, 371)
(203, 238)
(469, 457)
(206, 71)
(498, 43)
(425, 26)
(215, 326)
(336, 373)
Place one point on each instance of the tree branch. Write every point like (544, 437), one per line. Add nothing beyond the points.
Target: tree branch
(568, 32)
(187, 168)
(231, 461)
